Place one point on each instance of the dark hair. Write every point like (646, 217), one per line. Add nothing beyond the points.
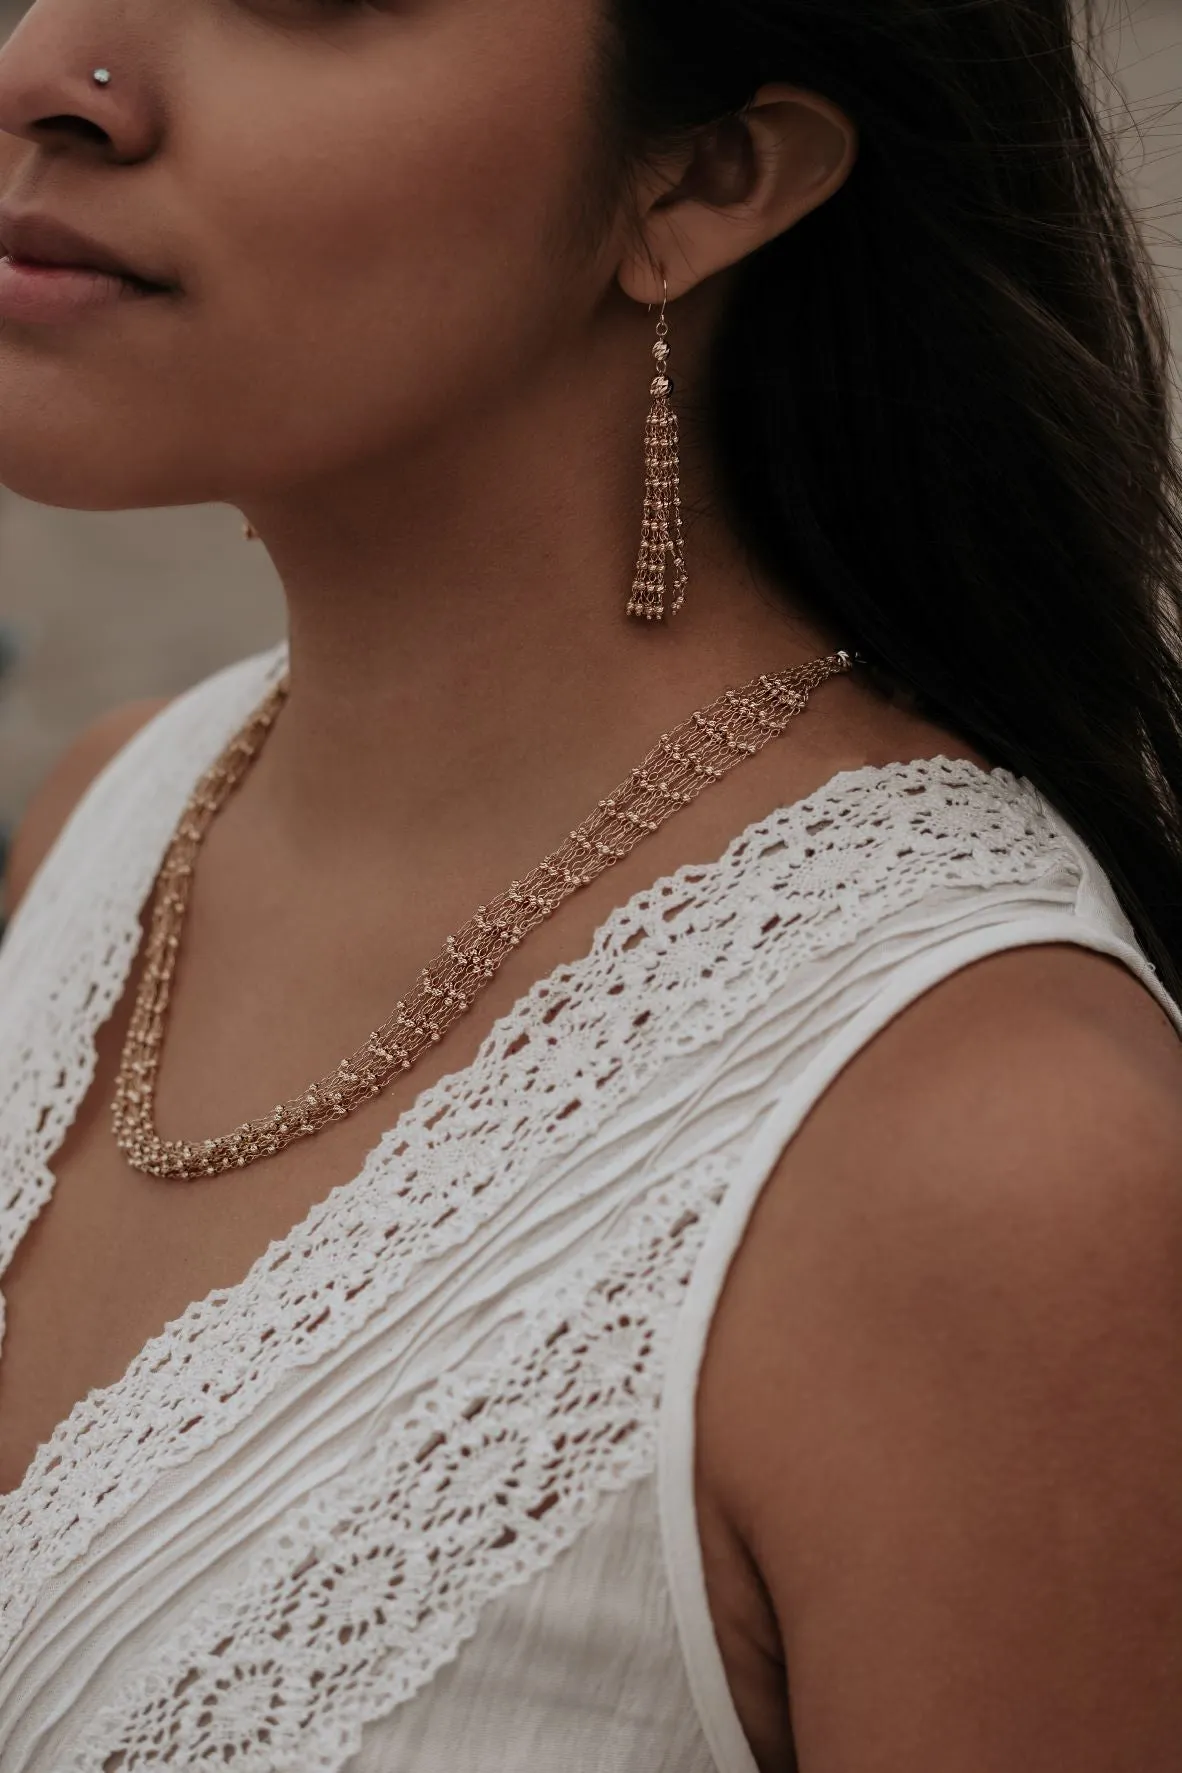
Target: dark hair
(941, 402)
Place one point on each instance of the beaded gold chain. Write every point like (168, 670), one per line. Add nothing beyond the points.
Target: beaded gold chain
(685, 761)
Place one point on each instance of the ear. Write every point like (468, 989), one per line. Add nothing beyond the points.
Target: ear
(738, 185)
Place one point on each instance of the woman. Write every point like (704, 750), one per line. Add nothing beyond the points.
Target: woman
(730, 1315)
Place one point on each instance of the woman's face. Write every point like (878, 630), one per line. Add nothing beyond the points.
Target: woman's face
(367, 214)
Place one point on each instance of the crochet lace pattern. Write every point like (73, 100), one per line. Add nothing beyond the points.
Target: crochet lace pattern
(355, 1598)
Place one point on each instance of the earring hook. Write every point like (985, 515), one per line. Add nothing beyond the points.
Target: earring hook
(662, 323)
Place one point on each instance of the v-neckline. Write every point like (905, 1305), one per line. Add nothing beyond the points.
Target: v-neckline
(99, 1421)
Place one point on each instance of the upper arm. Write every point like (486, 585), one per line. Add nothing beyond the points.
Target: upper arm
(944, 1391)
(62, 789)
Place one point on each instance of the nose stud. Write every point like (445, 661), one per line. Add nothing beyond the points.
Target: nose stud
(101, 76)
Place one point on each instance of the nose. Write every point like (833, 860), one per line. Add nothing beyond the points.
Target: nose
(49, 94)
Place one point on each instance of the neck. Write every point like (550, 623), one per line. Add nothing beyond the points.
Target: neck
(459, 642)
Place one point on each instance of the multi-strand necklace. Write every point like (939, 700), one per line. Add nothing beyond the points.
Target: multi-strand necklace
(685, 761)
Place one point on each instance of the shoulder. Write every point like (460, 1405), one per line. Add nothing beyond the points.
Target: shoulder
(1047, 1061)
(64, 787)
(1009, 1148)
(946, 1362)
(1043, 1061)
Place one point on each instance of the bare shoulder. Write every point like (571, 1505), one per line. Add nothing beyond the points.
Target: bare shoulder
(64, 787)
(1038, 1080)
(1053, 1057)
(941, 1405)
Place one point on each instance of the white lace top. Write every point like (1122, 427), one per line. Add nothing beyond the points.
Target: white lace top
(416, 1496)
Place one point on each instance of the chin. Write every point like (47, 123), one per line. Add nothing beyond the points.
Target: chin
(55, 466)
(84, 442)
(47, 484)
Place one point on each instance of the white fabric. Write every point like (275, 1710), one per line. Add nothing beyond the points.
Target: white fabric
(417, 1494)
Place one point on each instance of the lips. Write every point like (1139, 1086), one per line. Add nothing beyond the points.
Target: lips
(53, 275)
(40, 241)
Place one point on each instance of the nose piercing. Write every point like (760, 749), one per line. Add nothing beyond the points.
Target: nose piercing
(101, 76)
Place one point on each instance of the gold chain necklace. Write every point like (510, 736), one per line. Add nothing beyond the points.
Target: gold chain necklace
(685, 761)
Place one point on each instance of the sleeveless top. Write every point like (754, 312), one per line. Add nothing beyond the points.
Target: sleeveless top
(417, 1495)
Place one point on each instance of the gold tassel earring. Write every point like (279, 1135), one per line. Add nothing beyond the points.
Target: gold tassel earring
(662, 549)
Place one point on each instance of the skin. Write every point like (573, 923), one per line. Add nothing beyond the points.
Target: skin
(940, 1431)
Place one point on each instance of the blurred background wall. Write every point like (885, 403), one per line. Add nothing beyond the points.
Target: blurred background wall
(100, 609)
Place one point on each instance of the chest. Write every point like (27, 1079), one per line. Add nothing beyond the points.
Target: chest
(114, 1256)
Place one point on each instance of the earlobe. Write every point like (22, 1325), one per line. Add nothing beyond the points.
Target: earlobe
(748, 180)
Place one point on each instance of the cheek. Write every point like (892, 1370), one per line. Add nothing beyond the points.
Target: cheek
(392, 252)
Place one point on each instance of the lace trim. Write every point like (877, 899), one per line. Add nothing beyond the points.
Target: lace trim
(72, 944)
(378, 1580)
(708, 943)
